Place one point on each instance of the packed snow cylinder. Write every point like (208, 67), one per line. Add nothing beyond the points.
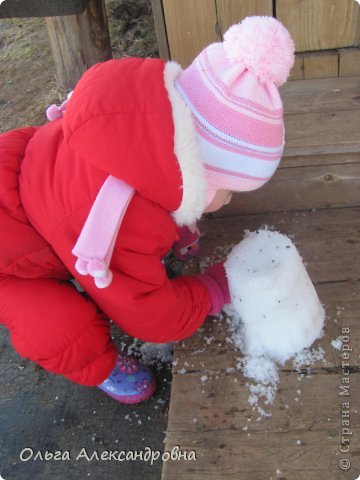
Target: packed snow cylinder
(273, 295)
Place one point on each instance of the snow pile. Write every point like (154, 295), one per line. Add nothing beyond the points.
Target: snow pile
(152, 353)
(275, 311)
(274, 296)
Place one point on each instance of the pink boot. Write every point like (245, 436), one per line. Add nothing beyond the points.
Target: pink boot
(130, 381)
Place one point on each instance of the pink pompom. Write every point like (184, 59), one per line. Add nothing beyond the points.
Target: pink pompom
(97, 268)
(263, 46)
(53, 113)
(104, 282)
(81, 266)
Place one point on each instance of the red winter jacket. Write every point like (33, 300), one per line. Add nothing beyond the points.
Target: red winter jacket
(125, 118)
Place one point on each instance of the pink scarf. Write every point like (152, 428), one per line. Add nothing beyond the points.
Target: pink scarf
(96, 241)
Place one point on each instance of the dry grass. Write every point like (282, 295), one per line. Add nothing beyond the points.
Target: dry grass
(132, 29)
(27, 73)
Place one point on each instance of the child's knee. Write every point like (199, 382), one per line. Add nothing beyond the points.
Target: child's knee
(53, 325)
(85, 358)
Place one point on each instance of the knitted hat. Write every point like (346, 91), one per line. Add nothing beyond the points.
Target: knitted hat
(231, 89)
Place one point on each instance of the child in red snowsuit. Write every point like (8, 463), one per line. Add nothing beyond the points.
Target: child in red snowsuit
(171, 144)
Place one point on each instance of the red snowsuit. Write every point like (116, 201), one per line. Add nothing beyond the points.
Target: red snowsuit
(119, 121)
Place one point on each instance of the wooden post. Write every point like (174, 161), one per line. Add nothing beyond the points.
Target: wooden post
(79, 41)
(160, 29)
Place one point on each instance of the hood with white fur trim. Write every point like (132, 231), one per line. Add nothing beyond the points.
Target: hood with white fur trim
(187, 152)
(126, 118)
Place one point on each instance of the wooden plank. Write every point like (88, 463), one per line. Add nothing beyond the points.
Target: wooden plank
(328, 240)
(229, 400)
(349, 62)
(311, 23)
(210, 348)
(317, 160)
(191, 26)
(321, 65)
(300, 441)
(297, 72)
(319, 133)
(160, 29)
(230, 12)
(41, 8)
(332, 94)
(79, 41)
(301, 188)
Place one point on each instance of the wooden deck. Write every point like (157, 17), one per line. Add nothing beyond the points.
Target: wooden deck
(314, 196)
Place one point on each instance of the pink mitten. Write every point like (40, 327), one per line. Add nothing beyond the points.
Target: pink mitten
(214, 279)
(188, 244)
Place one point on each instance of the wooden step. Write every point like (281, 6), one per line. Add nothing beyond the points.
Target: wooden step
(322, 116)
(314, 198)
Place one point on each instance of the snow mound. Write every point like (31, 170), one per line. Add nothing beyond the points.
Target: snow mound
(273, 295)
(275, 312)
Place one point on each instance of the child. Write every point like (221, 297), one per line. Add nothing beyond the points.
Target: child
(103, 193)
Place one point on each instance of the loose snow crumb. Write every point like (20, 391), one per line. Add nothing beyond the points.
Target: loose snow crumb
(308, 357)
(337, 343)
(263, 413)
(298, 442)
(181, 371)
(156, 353)
(203, 378)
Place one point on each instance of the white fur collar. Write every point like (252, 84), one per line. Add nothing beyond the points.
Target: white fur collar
(187, 152)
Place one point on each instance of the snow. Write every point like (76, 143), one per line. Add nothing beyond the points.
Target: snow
(273, 295)
(275, 314)
(307, 357)
(182, 371)
(156, 352)
(337, 343)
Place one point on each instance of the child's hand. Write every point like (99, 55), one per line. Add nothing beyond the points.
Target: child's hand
(188, 244)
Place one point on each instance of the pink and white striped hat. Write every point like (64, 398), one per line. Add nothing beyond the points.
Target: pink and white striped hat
(232, 91)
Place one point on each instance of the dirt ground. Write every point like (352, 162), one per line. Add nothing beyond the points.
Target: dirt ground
(40, 411)
(27, 73)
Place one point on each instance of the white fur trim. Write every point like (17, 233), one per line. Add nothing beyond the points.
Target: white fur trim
(187, 151)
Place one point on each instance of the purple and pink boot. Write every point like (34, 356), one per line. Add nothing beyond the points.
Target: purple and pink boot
(130, 381)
